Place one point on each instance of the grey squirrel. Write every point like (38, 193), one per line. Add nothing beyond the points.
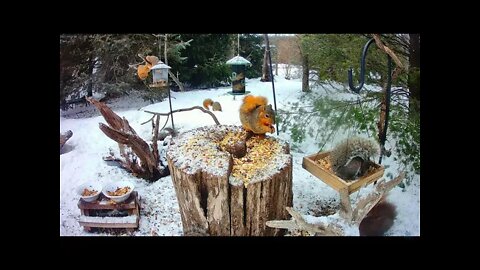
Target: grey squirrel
(379, 220)
(351, 158)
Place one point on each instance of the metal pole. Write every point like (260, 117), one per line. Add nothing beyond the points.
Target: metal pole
(271, 77)
(168, 87)
(170, 103)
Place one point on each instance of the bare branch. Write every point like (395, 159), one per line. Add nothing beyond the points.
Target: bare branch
(148, 120)
(176, 80)
(188, 109)
(388, 51)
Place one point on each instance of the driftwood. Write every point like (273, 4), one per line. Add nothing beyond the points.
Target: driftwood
(349, 217)
(298, 223)
(64, 137)
(212, 202)
(366, 204)
(132, 147)
(345, 205)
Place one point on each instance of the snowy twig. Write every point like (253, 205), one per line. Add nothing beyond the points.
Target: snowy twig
(188, 109)
(148, 120)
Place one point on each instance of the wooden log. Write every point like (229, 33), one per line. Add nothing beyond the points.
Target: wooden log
(64, 137)
(220, 194)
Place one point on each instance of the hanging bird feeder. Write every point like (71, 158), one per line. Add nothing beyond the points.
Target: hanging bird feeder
(160, 75)
(239, 65)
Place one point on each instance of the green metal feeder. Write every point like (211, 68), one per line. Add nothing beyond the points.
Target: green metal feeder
(239, 65)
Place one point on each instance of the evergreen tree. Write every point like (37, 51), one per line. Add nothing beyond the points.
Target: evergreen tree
(205, 65)
(76, 63)
(115, 52)
(251, 49)
(101, 62)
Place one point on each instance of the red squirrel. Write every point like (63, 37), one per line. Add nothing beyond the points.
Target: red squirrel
(379, 220)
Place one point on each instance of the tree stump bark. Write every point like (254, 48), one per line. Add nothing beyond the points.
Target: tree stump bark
(220, 194)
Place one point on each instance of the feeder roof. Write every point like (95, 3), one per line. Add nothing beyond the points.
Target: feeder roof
(238, 60)
(160, 66)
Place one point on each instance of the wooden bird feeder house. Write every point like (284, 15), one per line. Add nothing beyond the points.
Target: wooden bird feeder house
(160, 75)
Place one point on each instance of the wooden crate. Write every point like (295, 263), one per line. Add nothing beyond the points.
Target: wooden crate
(88, 219)
(309, 163)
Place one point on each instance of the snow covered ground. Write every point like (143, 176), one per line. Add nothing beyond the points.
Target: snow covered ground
(81, 161)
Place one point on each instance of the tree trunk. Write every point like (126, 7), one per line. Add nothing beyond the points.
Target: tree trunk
(276, 60)
(265, 68)
(212, 200)
(414, 74)
(91, 65)
(306, 74)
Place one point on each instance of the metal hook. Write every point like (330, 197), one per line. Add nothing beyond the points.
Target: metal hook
(362, 70)
(383, 136)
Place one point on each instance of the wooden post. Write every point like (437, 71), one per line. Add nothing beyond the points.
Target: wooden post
(212, 196)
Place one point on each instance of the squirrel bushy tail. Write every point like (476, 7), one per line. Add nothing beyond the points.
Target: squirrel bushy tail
(379, 220)
(207, 102)
(256, 115)
(250, 103)
(348, 158)
(214, 104)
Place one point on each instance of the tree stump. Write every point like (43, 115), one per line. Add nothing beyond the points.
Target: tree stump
(224, 194)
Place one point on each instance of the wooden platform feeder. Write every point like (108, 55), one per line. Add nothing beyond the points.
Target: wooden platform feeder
(224, 191)
(311, 164)
(98, 214)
